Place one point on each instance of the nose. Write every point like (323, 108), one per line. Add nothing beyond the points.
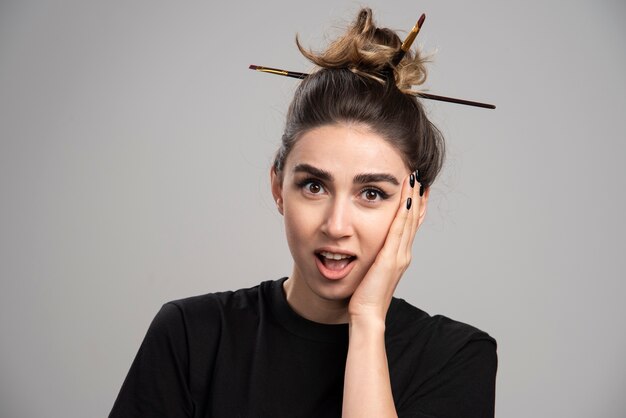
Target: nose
(338, 223)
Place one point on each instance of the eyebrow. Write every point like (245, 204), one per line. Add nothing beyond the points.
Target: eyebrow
(314, 171)
(358, 179)
(375, 178)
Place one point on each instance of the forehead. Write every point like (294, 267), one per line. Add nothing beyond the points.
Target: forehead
(349, 149)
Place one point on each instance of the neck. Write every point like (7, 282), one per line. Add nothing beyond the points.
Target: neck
(313, 307)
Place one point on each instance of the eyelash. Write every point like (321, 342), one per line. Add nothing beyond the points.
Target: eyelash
(302, 184)
(308, 181)
(382, 195)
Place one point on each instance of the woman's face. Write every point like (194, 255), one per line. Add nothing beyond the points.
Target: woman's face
(339, 193)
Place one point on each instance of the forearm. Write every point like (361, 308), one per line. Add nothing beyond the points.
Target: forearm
(367, 387)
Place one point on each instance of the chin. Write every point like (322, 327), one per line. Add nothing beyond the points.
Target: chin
(335, 290)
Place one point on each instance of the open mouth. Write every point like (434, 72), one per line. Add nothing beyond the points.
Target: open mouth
(334, 265)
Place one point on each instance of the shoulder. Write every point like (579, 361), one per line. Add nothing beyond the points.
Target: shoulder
(209, 312)
(404, 318)
(439, 365)
(439, 341)
(209, 303)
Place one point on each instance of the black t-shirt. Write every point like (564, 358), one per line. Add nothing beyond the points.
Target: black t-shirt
(248, 354)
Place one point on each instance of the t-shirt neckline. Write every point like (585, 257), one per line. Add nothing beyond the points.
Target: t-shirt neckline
(297, 324)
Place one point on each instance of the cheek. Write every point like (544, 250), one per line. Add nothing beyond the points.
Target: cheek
(375, 231)
(300, 223)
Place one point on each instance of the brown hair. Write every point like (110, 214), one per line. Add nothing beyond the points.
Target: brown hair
(359, 83)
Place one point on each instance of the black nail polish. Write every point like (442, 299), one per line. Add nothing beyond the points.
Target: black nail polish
(412, 180)
(421, 190)
(417, 175)
(408, 203)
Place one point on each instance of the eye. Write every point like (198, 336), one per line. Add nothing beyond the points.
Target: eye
(312, 187)
(373, 195)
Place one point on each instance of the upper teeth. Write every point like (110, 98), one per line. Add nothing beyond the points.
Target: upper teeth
(334, 256)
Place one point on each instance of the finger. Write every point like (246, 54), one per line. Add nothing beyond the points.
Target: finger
(420, 209)
(398, 225)
(410, 226)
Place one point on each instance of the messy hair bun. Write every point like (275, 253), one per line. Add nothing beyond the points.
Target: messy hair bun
(370, 51)
(359, 82)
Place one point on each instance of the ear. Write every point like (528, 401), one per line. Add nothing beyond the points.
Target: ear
(422, 206)
(277, 189)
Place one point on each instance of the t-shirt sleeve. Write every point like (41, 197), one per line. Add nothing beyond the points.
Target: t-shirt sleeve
(157, 383)
(463, 388)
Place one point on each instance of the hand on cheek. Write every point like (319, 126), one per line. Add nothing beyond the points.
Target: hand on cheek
(372, 297)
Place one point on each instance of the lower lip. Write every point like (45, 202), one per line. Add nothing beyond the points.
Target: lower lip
(333, 274)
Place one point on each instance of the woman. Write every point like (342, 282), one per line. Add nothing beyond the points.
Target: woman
(351, 180)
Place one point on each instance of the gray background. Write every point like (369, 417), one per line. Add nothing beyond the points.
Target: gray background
(134, 156)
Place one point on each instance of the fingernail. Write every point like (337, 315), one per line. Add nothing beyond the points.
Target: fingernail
(417, 175)
(412, 180)
(408, 203)
(421, 190)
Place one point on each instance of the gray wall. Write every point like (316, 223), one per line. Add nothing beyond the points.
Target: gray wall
(134, 155)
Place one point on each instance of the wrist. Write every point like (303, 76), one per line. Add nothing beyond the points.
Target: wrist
(367, 323)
